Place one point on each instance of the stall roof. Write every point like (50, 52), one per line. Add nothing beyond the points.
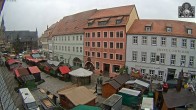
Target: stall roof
(130, 91)
(12, 61)
(78, 95)
(174, 98)
(142, 83)
(111, 101)
(86, 107)
(56, 63)
(121, 79)
(64, 69)
(147, 103)
(27, 78)
(21, 72)
(36, 55)
(114, 84)
(81, 72)
(34, 69)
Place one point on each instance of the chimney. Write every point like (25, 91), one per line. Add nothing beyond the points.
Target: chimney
(179, 81)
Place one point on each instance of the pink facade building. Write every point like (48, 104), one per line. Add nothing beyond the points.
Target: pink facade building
(105, 39)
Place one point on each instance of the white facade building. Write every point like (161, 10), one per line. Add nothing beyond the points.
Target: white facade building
(69, 48)
(163, 49)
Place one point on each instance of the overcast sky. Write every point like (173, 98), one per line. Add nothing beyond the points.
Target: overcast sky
(32, 14)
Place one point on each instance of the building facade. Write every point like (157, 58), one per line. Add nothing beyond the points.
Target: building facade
(161, 48)
(45, 41)
(67, 40)
(28, 39)
(105, 39)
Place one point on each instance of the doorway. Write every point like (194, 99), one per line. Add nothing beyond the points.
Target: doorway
(106, 68)
(171, 73)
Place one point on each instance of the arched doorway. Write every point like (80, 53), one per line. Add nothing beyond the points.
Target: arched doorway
(77, 62)
(89, 66)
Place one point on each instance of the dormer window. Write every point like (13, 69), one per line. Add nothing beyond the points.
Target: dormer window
(103, 21)
(189, 31)
(119, 19)
(168, 29)
(147, 28)
(90, 22)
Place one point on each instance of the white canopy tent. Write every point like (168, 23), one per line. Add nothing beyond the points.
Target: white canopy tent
(81, 72)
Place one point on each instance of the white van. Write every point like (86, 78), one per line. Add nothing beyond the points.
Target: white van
(29, 102)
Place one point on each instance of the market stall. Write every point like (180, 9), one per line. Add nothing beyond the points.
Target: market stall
(63, 73)
(81, 76)
(34, 70)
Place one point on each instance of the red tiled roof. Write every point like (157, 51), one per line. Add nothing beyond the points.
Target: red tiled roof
(16, 73)
(73, 23)
(111, 12)
(34, 69)
(64, 69)
(159, 28)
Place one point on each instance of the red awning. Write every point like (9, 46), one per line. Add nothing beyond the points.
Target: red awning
(34, 69)
(64, 69)
(12, 61)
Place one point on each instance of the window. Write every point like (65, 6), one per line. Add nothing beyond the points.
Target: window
(62, 48)
(151, 72)
(189, 31)
(98, 34)
(105, 44)
(119, 45)
(192, 45)
(118, 21)
(65, 38)
(173, 59)
(174, 42)
(111, 56)
(98, 54)
(76, 49)
(73, 38)
(93, 54)
(121, 33)
(135, 39)
(117, 34)
(147, 28)
(111, 45)
(68, 48)
(80, 37)
(77, 38)
(184, 42)
(104, 55)
(160, 75)
(115, 68)
(119, 57)
(191, 61)
(89, 54)
(111, 34)
(143, 71)
(162, 58)
(86, 44)
(65, 48)
(59, 47)
(134, 55)
(182, 60)
(163, 41)
(154, 41)
(98, 44)
(144, 40)
(68, 38)
(144, 55)
(73, 49)
(97, 65)
(93, 44)
(152, 57)
(105, 34)
(81, 49)
(168, 29)
(86, 53)
(101, 23)
(93, 34)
